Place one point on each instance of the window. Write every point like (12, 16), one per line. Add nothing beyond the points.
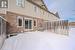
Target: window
(34, 23)
(3, 3)
(35, 8)
(20, 3)
(20, 21)
(28, 24)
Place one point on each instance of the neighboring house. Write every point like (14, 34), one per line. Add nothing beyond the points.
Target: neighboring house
(26, 15)
(72, 24)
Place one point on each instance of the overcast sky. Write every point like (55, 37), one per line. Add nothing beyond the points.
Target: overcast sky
(65, 8)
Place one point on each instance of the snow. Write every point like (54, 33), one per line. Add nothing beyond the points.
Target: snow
(41, 41)
(2, 38)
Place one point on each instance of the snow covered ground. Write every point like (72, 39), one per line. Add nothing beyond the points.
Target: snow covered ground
(41, 41)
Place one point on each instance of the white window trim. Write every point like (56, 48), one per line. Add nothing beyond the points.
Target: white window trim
(4, 4)
(36, 9)
(22, 3)
(36, 23)
(31, 24)
(19, 17)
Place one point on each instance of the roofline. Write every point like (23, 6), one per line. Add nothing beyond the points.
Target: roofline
(44, 4)
(41, 7)
(58, 17)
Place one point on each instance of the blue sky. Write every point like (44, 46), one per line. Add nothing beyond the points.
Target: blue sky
(65, 8)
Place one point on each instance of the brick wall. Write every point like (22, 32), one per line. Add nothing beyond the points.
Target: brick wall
(12, 23)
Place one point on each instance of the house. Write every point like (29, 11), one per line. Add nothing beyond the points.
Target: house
(72, 24)
(27, 15)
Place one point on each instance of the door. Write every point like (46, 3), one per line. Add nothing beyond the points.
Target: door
(28, 24)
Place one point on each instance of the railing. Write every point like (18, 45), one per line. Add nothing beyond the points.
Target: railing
(59, 27)
(2, 31)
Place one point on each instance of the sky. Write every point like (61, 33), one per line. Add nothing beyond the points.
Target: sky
(65, 8)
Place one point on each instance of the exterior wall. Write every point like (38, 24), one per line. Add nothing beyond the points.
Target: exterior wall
(40, 15)
(13, 27)
(28, 10)
(40, 24)
(12, 23)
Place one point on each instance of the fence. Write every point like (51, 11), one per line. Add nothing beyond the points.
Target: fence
(59, 27)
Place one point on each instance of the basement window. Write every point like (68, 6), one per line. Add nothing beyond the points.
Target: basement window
(20, 21)
(34, 23)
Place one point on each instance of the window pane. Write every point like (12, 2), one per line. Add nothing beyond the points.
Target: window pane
(30, 24)
(20, 22)
(26, 24)
(35, 8)
(3, 3)
(34, 23)
(20, 3)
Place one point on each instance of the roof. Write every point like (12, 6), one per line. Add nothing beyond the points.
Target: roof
(40, 3)
(57, 14)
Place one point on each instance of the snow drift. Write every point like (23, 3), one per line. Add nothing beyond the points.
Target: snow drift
(40, 41)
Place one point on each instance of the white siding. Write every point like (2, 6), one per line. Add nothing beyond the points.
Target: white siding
(28, 10)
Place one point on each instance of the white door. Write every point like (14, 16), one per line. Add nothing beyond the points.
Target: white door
(28, 24)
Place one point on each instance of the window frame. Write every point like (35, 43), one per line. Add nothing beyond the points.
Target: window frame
(28, 24)
(6, 3)
(19, 17)
(36, 9)
(35, 24)
(21, 2)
